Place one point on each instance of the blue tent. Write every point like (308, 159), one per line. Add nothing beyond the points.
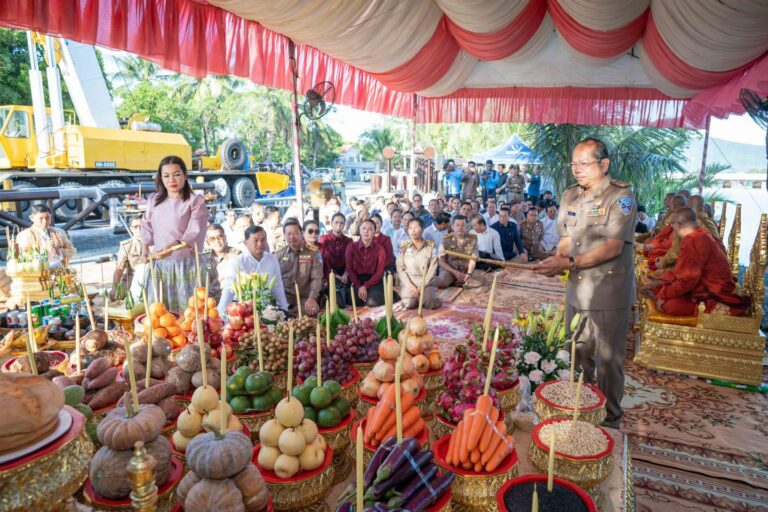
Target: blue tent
(513, 151)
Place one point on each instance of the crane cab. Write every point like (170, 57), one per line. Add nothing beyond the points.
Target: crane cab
(18, 136)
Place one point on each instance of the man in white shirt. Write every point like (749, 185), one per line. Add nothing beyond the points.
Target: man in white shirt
(255, 258)
(400, 235)
(549, 237)
(645, 218)
(437, 231)
(491, 216)
(488, 240)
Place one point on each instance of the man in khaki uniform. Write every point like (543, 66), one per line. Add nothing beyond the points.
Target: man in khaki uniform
(454, 270)
(531, 231)
(416, 263)
(275, 238)
(515, 185)
(300, 265)
(596, 224)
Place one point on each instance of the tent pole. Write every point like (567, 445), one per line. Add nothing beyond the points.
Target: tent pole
(413, 142)
(702, 173)
(296, 125)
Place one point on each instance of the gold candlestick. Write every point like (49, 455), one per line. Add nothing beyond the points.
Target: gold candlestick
(141, 471)
(551, 462)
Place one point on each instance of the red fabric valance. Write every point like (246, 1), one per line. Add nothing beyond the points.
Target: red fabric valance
(505, 41)
(596, 43)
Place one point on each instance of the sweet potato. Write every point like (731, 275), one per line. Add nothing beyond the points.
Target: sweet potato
(77, 377)
(63, 381)
(97, 367)
(95, 340)
(155, 394)
(140, 383)
(179, 378)
(170, 407)
(159, 368)
(139, 352)
(105, 396)
(103, 380)
(213, 378)
(139, 370)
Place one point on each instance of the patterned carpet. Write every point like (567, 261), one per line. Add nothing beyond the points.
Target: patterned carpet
(696, 447)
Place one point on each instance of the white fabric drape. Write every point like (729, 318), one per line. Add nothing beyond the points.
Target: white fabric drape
(536, 43)
(658, 80)
(374, 36)
(482, 16)
(713, 35)
(455, 78)
(604, 14)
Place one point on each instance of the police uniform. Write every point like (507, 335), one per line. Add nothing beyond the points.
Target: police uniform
(602, 294)
(516, 187)
(452, 243)
(128, 258)
(303, 268)
(412, 265)
(531, 236)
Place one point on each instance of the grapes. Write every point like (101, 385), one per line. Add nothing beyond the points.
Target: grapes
(361, 340)
(335, 362)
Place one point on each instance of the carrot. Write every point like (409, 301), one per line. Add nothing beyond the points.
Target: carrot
(495, 440)
(406, 401)
(369, 432)
(459, 433)
(466, 465)
(474, 456)
(409, 418)
(451, 448)
(500, 454)
(478, 467)
(415, 429)
(463, 448)
(485, 440)
(383, 408)
(483, 408)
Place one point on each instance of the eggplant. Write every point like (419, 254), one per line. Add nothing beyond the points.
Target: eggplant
(345, 507)
(381, 507)
(428, 495)
(407, 472)
(396, 458)
(378, 457)
(413, 486)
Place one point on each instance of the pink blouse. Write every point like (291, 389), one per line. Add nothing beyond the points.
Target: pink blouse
(175, 219)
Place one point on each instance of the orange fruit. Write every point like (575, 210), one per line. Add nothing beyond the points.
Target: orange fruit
(186, 325)
(146, 323)
(191, 302)
(211, 303)
(157, 309)
(213, 313)
(160, 332)
(200, 292)
(179, 341)
(155, 323)
(173, 330)
(167, 320)
(189, 312)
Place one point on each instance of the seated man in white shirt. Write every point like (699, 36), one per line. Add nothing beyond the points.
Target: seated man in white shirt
(491, 216)
(255, 258)
(401, 234)
(488, 241)
(437, 231)
(549, 237)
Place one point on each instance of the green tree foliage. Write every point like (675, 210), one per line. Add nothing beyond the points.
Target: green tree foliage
(648, 158)
(14, 68)
(465, 139)
(373, 141)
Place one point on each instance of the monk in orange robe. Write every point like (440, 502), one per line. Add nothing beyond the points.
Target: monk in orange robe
(701, 274)
(658, 246)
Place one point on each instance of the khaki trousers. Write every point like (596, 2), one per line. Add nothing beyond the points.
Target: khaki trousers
(601, 348)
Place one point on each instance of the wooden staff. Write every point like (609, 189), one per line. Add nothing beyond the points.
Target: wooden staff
(498, 263)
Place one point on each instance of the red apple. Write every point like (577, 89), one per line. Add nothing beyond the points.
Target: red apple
(226, 333)
(215, 325)
(236, 335)
(236, 322)
(248, 321)
(233, 309)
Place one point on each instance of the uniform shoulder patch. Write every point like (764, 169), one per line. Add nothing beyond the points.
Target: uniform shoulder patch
(572, 186)
(429, 242)
(404, 244)
(311, 247)
(471, 236)
(626, 204)
(620, 184)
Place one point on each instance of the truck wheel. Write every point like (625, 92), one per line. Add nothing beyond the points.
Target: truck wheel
(69, 209)
(109, 184)
(244, 192)
(223, 194)
(25, 205)
(233, 154)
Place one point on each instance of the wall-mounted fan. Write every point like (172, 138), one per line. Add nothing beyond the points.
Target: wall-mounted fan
(319, 100)
(758, 110)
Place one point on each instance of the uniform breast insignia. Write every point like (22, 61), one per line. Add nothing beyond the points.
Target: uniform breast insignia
(305, 258)
(626, 203)
(571, 213)
(596, 212)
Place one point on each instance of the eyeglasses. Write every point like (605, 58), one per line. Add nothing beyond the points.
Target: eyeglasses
(216, 237)
(312, 231)
(584, 165)
(136, 226)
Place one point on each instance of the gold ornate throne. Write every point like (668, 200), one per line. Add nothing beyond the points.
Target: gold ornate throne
(712, 345)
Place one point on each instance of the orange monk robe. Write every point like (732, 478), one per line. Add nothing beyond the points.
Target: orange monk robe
(661, 243)
(701, 274)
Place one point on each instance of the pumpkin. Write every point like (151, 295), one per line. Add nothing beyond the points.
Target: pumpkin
(216, 455)
(109, 468)
(252, 486)
(214, 496)
(120, 430)
(189, 481)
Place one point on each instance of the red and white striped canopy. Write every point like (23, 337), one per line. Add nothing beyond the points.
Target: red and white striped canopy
(665, 63)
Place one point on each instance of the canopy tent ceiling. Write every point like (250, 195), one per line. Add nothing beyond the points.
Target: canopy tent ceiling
(644, 62)
(513, 151)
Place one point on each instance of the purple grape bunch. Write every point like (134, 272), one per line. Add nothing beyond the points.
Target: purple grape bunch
(336, 360)
(362, 340)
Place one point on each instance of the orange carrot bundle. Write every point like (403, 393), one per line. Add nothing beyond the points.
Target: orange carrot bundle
(480, 441)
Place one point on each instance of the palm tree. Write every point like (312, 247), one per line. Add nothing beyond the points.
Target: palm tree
(373, 141)
(133, 70)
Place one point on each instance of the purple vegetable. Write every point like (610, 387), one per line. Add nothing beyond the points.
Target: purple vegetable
(381, 507)
(345, 507)
(396, 458)
(413, 487)
(378, 457)
(428, 495)
(406, 472)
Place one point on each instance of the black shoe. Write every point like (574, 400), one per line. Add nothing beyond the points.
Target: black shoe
(614, 424)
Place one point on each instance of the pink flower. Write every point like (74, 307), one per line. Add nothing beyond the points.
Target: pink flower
(532, 357)
(548, 366)
(564, 374)
(536, 376)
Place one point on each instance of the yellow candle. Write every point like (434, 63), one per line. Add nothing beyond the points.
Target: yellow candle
(359, 469)
(318, 347)
(31, 348)
(332, 291)
(535, 503)
(354, 304)
(257, 328)
(149, 343)
(489, 372)
(200, 341)
(106, 312)
(290, 361)
(77, 345)
(197, 267)
(578, 398)
(398, 403)
(298, 297)
(421, 289)
(573, 361)
(205, 306)
(551, 462)
(132, 377)
(90, 311)
(488, 314)
(223, 389)
(327, 325)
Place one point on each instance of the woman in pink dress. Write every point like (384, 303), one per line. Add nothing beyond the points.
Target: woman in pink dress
(176, 217)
